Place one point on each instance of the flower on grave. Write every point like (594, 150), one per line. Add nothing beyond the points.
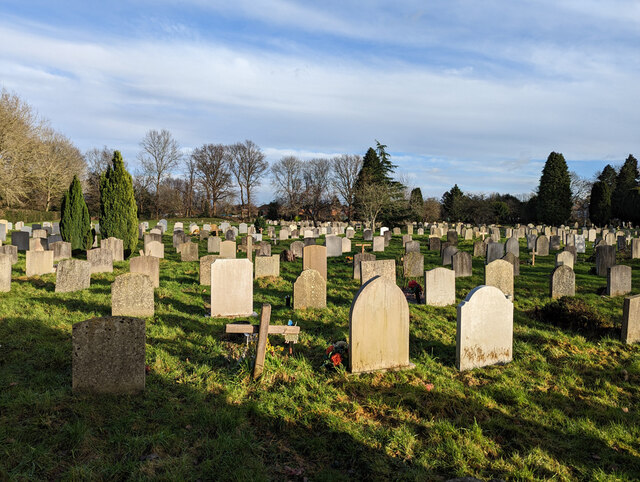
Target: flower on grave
(415, 287)
(336, 355)
(336, 358)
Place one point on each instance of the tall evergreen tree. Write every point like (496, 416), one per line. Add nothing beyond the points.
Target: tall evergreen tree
(75, 223)
(118, 211)
(453, 204)
(600, 203)
(554, 193)
(622, 198)
(416, 204)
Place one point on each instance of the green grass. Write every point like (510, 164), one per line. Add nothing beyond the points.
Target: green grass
(565, 408)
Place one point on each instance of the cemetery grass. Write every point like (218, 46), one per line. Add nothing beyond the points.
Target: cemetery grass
(565, 408)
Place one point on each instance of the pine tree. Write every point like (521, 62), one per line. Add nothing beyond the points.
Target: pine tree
(75, 223)
(622, 198)
(453, 204)
(416, 204)
(118, 211)
(554, 192)
(600, 203)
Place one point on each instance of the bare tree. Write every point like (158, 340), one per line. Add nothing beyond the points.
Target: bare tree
(317, 175)
(248, 166)
(97, 162)
(580, 196)
(345, 174)
(160, 155)
(432, 209)
(212, 164)
(372, 198)
(287, 179)
(189, 185)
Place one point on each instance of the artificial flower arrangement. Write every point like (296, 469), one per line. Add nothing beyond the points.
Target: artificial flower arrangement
(336, 355)
(416, 289)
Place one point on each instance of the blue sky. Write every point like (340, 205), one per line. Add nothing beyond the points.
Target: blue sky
(466, 92)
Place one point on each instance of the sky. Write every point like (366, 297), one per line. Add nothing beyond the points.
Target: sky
(461, 92)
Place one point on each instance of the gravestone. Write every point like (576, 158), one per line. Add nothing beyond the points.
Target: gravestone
(72, 275)
(155, 249)
(357, 258)
(554, 243)
(116, 247)
(265, 266)
(531, 242)
(213, 244)
(484, 334)
(296, 248)
(228, 249)
(513, 246)
(350, 232)
(178, 226)
(108, 355)
(152, 237)
(147, 265)
(435, 244)
(309, 290)
(333, 244)
(367, 235)
(188, 251)
(3, 232)
(205, 268)
(631, 319)
(284, 234)
(397, 231)
(61, 250)
(230, 235)
(412, 247)
(635, 248)
(618, 280)
(385, 268)
(379, 328)
(20, 239)
(101, 260)
(605, 258)
(10, 250)
(494, 251)
(132, 295)
(479, 249)
(242, 228)
(315, 257)
(542, 246)
(346, 245)
(462, 265)
(38, 233)
(232, 287)
(39, 263)
(447, 255)
(440, 287)
(204, 234)
(452, 237)
(499, 273)
(581, 245)
(38, 244)
(405, 239)
(564, 257)
(264, 249)
(378, 243)
(387, 238)
(563, 282)
(413, 265)
(515, 262)
(5, 273)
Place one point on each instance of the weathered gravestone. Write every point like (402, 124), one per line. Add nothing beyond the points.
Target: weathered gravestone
(367, 235)
(439, 287)
(413, 264)
(205, 268)
(635, 248)
(513, 246)
(406, 238)
(499, 273)
(10, 250)
(61, 250)
(357, 258)
(564, 257)
(315, 257)
(412, 247)
(333, 244)
(346, 245)
(479, 249)
(581, 245)
(484, 333)
(155, 249)
(462, 265)
(265, 266)
(563, 282)
(213, 244)
(350, 232)
(232, 287)
(116, 246)
(618, 280)
(631, 319)
(147, 265)
(264, 249)
(20, 239)
(542, 246)
(494, 251)
(5, 273)
(39, 263)
(452, 237)
(73, 275)
(435, 244)
(228, 249)
(447, 255)
(309, 290)
(38, 244)
(109, 355)
(378, 243)
(132, 295)
(605, 258)
(531, 242)
(386, 268)
(387, 238)
(188, 251)
(379, 328)
(554, 243)
(515, 262)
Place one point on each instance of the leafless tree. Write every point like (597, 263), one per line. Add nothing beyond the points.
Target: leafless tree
(160, 155)
(189, 185)
(287, 179)
(372, 198)
(580, 196)
(212, 164)
(248, 166)
(345, 174)
(432, 209)
(97, 162)
(316, 177)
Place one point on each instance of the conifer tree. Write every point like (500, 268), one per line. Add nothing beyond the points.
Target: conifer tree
(622, 198)
(554, 193)
(75, 223)
(600, 203)
(118, 210)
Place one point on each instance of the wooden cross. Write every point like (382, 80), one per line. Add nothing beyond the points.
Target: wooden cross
(363, 245)
(263, 330)
(533, 258)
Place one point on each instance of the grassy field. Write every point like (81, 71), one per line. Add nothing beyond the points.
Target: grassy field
(565, 408)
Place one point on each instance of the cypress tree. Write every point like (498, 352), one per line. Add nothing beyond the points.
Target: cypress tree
(75, 223)
(600, 203)
(416, 204)
(622, 198)
(554, 193)
(118, 210)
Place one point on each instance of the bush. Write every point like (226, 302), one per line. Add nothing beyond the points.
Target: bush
(28, 215)
(260, 223)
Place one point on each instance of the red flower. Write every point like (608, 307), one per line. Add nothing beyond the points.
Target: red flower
(412, 284)
(329, 349)
(429, 387)
(336, 359)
